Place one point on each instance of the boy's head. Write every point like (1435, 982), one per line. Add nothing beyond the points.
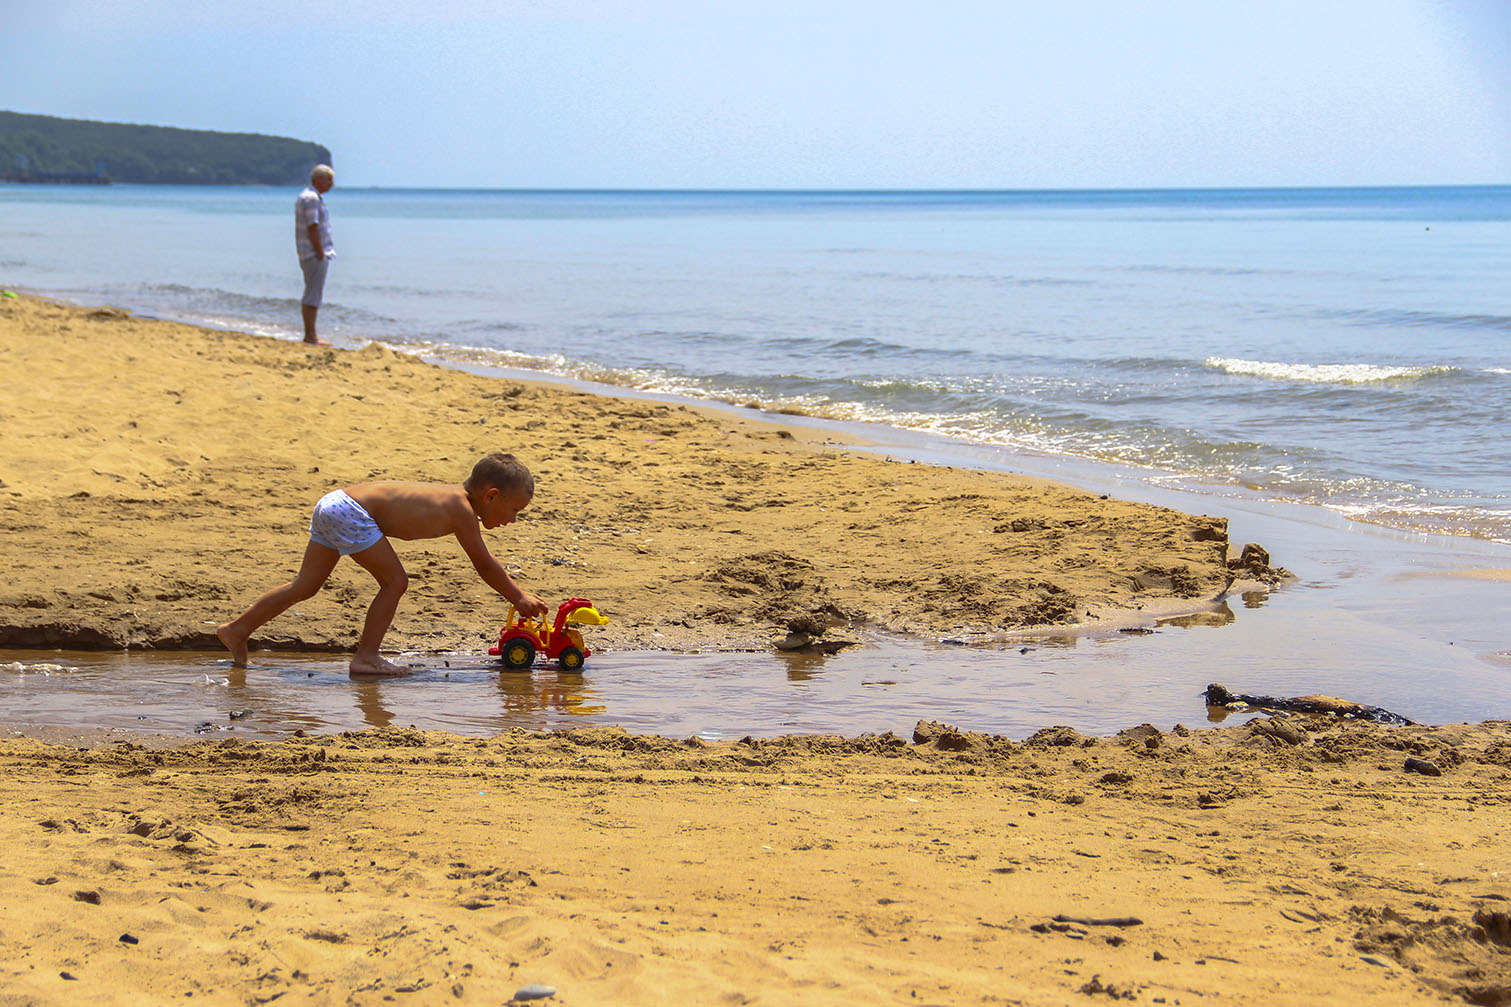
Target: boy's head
(499, 488)
(501, 472)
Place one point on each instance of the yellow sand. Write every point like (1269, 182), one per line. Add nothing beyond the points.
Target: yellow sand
(641, 871)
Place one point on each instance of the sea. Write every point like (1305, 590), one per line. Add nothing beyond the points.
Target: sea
(1329, 366)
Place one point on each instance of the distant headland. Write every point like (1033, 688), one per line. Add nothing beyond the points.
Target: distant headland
(47, 149)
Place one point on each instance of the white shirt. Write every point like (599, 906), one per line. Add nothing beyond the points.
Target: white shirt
(309, 209)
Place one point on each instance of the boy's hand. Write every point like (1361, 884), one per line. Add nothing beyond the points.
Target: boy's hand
(530, 606)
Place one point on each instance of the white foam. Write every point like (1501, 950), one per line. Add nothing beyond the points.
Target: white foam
(1337, 374)
(37, 668)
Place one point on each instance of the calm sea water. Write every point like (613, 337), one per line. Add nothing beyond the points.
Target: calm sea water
(1346, 348)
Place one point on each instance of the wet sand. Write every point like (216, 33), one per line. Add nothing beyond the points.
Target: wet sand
(157, 477)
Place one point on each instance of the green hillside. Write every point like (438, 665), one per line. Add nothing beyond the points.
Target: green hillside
(38, 145)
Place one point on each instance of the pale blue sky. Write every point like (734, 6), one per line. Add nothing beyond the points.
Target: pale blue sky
(813, 93)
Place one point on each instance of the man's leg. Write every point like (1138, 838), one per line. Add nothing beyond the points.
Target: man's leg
(383, 563)
(318, 563)
(314, 293)
(309, 323)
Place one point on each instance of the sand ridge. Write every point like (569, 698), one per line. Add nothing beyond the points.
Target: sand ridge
(161, 476)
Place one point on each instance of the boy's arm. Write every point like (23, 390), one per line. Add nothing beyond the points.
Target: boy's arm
(493, 572)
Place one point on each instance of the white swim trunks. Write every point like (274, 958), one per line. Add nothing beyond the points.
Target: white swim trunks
(340, 523)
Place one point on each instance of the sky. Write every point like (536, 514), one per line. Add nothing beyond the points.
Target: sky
(995, 94)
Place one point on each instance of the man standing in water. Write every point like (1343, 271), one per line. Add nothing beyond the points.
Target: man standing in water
(312, 240)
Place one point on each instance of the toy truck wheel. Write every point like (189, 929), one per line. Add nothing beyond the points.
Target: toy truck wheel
(518, 654)
(571, 659)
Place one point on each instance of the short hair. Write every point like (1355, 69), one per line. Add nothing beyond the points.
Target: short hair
(502, 472)
(322, 171)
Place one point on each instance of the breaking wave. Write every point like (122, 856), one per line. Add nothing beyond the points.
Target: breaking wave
(1333, 374)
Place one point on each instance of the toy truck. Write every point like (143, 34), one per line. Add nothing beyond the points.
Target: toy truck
(522, 640)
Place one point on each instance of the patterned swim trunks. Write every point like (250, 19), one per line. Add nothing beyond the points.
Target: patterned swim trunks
(340, 523)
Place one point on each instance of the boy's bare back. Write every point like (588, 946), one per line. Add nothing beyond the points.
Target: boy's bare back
(431, 510)
(410, 511)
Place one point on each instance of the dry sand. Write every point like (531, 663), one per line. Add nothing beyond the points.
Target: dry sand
(155, 477)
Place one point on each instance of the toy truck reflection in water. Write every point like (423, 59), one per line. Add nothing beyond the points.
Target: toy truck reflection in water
(521, 640)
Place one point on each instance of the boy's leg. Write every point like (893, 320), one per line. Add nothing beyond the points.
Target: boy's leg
(383, 563)
(318, 563)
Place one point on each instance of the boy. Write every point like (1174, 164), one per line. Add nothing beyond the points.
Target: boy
(359, 521)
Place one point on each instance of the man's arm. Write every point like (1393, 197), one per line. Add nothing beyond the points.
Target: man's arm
(493, 572)
(315, 242)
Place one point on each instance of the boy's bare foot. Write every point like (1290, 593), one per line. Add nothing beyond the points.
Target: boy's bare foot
(237, 645)
(317, 341)
(362, 667)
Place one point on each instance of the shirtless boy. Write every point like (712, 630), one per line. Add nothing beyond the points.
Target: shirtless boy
(358, 522)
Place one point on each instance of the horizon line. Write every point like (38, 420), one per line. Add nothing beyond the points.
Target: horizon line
(962, 190)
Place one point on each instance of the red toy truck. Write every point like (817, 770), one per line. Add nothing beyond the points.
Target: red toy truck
(520, 640)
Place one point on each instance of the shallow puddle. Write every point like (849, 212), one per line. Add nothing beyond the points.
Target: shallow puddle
(1296, 642)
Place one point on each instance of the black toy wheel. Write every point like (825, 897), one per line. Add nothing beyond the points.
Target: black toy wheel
(571, 659)
(518, 654)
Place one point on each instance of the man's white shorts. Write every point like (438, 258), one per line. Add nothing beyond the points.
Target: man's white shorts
(314, 280)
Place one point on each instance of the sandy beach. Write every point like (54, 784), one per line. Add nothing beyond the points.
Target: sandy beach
(161, 477)
(156, 477)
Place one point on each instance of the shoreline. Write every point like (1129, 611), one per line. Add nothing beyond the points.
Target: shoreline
(1145, 485)
(1148, 484)
(621, 481)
